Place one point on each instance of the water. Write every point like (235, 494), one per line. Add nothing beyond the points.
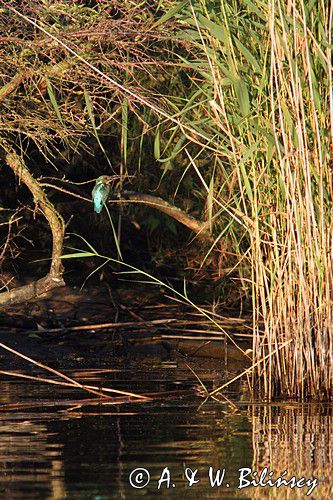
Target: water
(54, 446)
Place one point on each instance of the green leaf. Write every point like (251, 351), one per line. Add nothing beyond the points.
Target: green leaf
(242, 96)
(216, 30)
(170, 13)
(78, 255)
(260, 12)
(246, 181)
(157, 146)
(54, 101)
(247, 54)
(175, 151)
(124, 128)
(92, 120)
(90, 110)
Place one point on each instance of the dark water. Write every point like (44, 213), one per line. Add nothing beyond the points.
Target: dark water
(52, 451)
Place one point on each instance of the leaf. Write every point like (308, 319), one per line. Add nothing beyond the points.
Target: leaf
(210, 198)
(78, 255)
(92, 120)
(246, 181)
(242, 96)
(124, 128)
(54, 101)
(247, 54)
(250, 151)
(216, 30)
(157, 146)
(256, 10)
(90, 110)
(174, 153)
(170, 13)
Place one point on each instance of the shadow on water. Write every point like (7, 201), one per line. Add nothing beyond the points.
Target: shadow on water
(89, 452)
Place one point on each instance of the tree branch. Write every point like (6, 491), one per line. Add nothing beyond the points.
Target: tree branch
(54, 278)
(124, 197)
(201, 228)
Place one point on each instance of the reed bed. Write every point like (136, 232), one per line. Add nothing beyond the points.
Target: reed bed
(291, 242)
(268, 111)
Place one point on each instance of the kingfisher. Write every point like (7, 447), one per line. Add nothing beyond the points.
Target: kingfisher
(101, 191)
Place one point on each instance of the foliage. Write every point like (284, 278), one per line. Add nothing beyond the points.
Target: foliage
(86, 79)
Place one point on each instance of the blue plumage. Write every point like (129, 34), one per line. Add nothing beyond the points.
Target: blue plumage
(100, 193)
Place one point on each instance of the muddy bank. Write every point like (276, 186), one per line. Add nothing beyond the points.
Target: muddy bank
(94, 327)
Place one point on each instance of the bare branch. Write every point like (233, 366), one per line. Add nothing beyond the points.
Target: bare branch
(201, 228)
(54, 278)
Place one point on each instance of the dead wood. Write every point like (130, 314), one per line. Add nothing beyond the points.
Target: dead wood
(54, 278)
(201, 228)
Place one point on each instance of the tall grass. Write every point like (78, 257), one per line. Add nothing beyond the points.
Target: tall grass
(292, 242)
(266, 103)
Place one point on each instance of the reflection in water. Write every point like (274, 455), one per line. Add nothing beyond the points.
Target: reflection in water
(296, 439)
(89, 453)
(29, 464)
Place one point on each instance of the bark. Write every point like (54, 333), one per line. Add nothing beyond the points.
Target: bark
(201, 228)
(54, 278)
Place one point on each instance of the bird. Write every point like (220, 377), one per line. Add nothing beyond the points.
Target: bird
(101, 192)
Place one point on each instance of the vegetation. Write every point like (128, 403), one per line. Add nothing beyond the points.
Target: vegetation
(227, 104)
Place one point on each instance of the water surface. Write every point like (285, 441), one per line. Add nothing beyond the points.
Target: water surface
(53, 450)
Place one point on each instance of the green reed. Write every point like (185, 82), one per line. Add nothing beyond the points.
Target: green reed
(265, 101)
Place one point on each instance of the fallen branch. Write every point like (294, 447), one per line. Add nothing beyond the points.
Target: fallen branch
(201, 228)
(54, 278)
(71, 382)
(124, 197)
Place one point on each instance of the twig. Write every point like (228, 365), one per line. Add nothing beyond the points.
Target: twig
(70, 384)
(65, 377)
(101, 326)
(124, 197)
